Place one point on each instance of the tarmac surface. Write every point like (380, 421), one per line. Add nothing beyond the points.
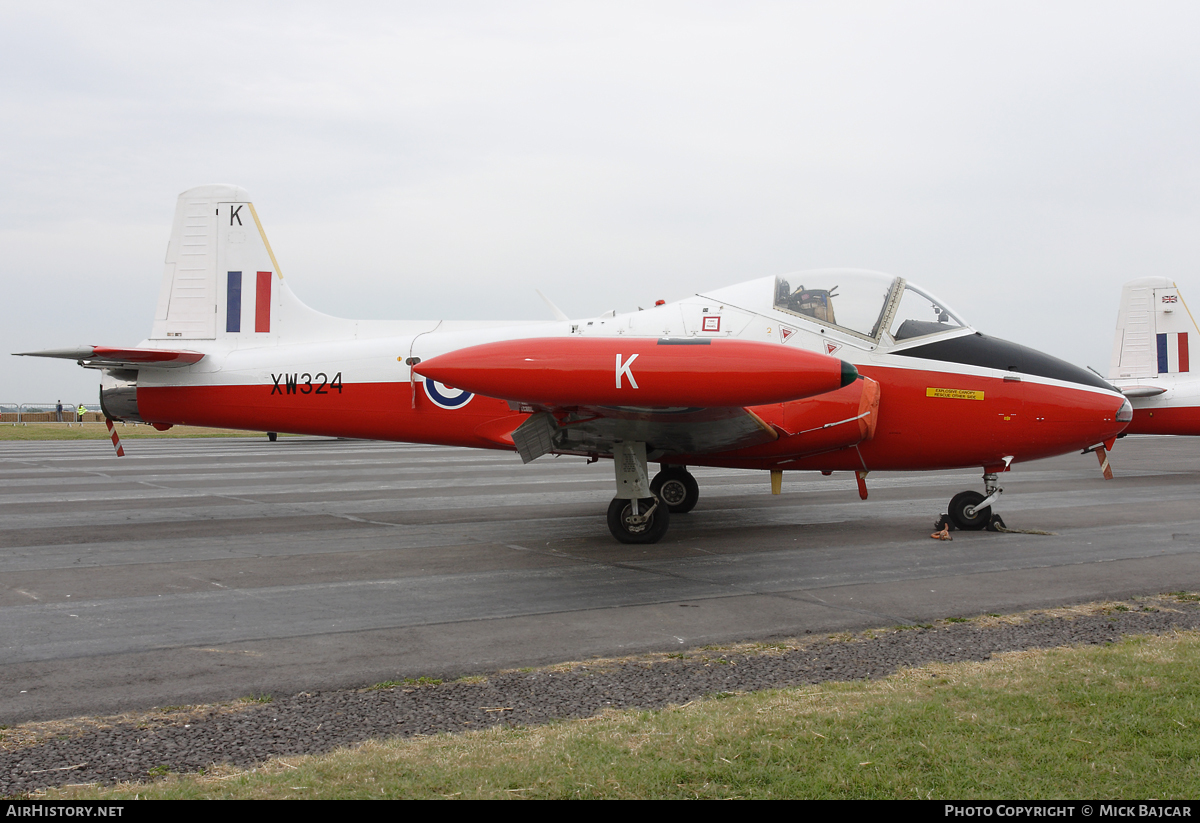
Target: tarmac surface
(192, 571)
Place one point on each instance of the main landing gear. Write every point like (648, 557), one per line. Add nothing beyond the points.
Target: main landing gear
(639, 520)
(676, 487)
(641, 511)
(971, 511)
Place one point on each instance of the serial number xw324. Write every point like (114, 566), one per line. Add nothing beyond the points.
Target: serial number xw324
(306, 383)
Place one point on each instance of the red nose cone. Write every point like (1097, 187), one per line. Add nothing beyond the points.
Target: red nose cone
(643, 372)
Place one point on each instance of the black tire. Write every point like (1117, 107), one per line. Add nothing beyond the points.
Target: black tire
(958, 511)
(677, 488)
(272, 435)
(651, 532)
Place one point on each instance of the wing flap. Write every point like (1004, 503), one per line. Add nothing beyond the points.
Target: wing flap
(664, 431)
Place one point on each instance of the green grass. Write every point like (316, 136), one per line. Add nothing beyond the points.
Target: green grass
(98, 431)
(258, 698)
(1098, 722)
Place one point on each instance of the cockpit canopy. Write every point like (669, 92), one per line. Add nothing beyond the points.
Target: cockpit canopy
(866, 304)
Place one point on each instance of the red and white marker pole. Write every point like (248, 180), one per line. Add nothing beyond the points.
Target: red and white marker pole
(115, 438)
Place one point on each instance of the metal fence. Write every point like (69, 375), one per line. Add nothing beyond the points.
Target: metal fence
(49, 413)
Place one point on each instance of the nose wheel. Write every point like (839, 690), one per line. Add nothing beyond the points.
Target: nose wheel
(963, 502)
(971, 511)
(676, 487)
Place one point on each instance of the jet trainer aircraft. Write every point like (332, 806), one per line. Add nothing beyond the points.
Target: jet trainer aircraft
(1151, 358)
(828, 370)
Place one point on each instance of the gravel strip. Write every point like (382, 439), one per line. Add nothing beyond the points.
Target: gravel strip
(127, 748)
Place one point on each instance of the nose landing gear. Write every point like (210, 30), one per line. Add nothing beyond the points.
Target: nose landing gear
(970, 510)
(969, 501)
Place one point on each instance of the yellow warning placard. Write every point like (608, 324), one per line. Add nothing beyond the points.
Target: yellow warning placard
(955, 394)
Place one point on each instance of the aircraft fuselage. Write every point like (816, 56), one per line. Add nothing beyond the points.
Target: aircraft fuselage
(931, 414)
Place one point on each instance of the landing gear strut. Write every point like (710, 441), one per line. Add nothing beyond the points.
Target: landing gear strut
(636, 514)
(971, 511)
(676, 487)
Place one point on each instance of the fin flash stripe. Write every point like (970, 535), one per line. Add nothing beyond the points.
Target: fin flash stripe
(262, 303)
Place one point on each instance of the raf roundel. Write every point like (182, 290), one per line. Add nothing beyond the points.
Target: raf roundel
(444, 396)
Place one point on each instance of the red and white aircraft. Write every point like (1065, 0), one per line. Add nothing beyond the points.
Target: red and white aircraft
(1151, 358)
(829, 371)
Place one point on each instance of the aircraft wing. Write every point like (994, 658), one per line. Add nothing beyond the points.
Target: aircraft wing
(104, 357)
(668, 431)
(682, 396)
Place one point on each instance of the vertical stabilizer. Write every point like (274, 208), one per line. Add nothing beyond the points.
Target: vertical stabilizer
(1156, 332)
(220, 278)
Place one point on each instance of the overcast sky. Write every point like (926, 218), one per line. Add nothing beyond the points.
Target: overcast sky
(443, 160)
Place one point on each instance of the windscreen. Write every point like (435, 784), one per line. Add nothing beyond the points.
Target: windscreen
(920, 314)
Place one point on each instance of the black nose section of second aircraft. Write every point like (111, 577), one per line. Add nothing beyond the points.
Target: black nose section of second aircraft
(992, 353)
(849, 373)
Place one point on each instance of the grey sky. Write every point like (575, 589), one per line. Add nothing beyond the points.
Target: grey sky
(1020, 161)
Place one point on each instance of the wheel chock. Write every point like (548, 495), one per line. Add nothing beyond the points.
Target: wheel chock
(944, 525)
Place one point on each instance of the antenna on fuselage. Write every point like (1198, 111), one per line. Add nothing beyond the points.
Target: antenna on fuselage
(558, 313)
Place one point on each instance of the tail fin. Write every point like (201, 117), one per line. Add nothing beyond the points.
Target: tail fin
(221, 279)
(1154, 330)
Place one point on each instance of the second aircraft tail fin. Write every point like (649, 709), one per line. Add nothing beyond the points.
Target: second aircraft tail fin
(1156, 333)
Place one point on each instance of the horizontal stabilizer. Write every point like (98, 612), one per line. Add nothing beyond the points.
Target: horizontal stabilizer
(104, 357)
(1142, 391)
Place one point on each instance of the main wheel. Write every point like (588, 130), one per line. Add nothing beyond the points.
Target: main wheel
(272, 435)
(958, 511)
(619, 523)
(677, 488)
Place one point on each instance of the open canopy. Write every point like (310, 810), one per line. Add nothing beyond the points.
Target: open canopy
(870, 305)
